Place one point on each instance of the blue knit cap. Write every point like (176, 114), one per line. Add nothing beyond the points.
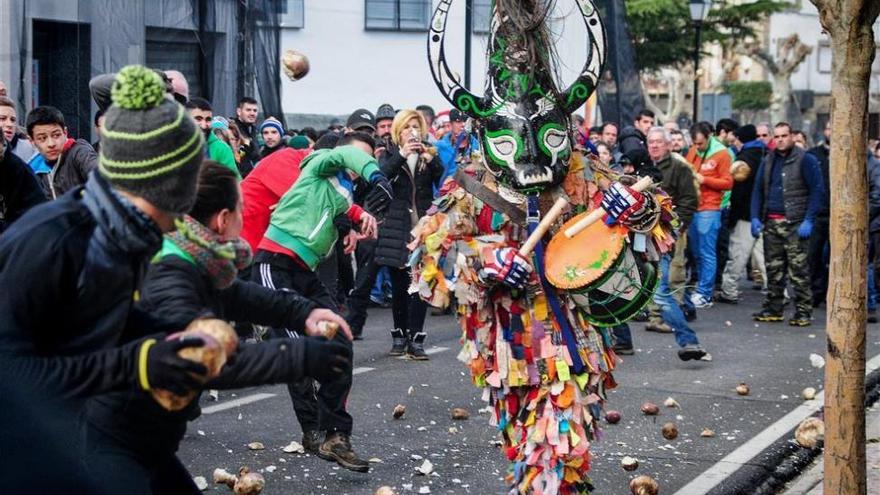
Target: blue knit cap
(272, 122)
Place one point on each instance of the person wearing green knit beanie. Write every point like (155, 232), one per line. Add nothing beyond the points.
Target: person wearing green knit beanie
(72, 271)
(150, 147)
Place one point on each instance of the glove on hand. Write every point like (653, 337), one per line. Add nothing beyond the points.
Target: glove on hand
(167, 370)
(805, 229)
(507, 266)
(620, 202)
(757, 226)
(380, 195)
(326, 360)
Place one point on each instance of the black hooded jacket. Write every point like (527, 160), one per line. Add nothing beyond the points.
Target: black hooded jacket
(413, 195)
(630, 139)
(70, 271)
(741, 194)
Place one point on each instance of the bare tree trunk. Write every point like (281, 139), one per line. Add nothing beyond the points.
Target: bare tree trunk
(791, 54)
(678, 86)
(848, 22)
(652, 105)
(781, 99)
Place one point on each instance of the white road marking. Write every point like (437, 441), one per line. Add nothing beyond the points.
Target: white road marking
(236, 403)
(433, 350)
(711, 477)
(258, 397)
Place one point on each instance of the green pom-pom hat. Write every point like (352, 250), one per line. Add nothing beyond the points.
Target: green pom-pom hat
(137, 88)
(150, 146)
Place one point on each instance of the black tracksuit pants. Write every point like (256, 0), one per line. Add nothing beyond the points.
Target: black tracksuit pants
(407, 310)
(322, 409)
(359, 298)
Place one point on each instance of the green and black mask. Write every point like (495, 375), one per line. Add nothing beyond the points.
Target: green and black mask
(525, 130)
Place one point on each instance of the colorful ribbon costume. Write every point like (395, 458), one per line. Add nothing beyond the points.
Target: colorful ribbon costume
(542, 366)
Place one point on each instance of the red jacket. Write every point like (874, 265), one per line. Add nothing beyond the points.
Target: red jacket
(262, 189)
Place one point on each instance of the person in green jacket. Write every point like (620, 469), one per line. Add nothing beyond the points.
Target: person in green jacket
(302, 231)
(216, 149)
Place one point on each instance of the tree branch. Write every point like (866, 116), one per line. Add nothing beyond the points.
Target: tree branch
(791, 53)
(755, 52)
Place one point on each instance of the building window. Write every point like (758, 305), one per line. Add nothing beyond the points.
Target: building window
(291, 14)
(482, 15)
(397, 15)
(823, 55)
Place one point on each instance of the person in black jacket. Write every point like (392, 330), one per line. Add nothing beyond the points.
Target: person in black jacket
(70, 272)
(635, 136)
(750, 153)
(413, 172)
(131, 435)
(70, 159)
(19, 190)
(246, 119)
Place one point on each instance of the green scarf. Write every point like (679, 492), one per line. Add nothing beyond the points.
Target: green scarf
(220, 259)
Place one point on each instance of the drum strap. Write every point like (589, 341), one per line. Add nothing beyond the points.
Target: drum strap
(550, 291)
(490, 197)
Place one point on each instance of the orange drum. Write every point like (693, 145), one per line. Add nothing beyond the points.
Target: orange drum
(583, 262)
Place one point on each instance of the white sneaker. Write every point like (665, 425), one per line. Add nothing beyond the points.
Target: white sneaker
(700, 302)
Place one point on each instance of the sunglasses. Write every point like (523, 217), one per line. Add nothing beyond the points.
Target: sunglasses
(763, 135)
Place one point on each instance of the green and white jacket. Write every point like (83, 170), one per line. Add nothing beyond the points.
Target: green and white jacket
(303, 219)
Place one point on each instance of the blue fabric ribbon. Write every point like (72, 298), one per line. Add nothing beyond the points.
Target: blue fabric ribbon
(550, 292)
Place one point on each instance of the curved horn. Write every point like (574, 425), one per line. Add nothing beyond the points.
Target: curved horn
(581, 89)
(448, 84)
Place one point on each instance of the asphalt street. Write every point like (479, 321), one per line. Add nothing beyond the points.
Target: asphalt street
(772, 358)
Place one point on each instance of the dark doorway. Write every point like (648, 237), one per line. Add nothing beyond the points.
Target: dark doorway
(180, 50)
(61, 71)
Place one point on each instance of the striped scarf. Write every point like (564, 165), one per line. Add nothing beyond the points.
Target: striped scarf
(220, 259)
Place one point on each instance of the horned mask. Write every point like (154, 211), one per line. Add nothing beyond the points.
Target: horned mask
(524, 118)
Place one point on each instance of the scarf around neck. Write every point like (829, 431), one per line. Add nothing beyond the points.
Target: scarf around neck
(221, 260)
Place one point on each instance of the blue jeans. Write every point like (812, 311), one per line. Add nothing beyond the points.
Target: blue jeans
(380, 290)
(671, 312)
(622, 335)
(703, 236)
(872, 290)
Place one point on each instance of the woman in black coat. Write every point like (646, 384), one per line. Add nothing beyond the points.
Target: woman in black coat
(133, 440)
(412, 167)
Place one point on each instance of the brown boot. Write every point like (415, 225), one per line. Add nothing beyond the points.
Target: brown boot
(337, 447)
(311, 441)
(658, 326)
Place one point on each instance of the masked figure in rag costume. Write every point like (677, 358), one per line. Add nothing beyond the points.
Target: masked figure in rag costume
(535, 325)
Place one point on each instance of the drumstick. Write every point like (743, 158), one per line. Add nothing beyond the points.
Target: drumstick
(542, 227)
(593, 216)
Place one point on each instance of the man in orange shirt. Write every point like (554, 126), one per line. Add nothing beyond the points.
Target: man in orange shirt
(711, 163)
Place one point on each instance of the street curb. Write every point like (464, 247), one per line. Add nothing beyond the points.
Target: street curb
(773, 467)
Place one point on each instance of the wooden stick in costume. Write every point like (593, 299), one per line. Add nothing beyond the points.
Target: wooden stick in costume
(529, 344)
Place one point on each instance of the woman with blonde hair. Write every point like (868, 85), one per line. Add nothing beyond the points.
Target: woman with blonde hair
(411, 165)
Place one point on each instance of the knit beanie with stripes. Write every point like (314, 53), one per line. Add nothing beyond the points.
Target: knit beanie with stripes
(150, 147)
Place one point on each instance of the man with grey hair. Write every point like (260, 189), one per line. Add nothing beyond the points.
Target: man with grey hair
(678, 181)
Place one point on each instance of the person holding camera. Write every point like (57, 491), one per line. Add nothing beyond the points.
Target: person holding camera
(412, 167)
